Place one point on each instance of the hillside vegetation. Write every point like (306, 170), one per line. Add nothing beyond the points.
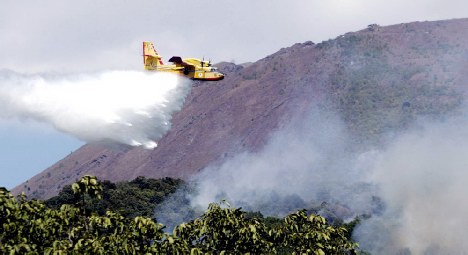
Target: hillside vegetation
(130, 199)
(30, 227)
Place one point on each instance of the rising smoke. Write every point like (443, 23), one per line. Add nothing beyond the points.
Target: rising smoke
(307, 161)
(413, 186)
(422, 178)
(128, 107)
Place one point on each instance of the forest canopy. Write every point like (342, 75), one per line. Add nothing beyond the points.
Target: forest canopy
(78, 227)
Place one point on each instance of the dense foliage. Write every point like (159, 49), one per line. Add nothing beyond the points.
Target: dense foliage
(134, 198)
(30, 227)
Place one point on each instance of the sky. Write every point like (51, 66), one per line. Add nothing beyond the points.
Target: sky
(59, 37)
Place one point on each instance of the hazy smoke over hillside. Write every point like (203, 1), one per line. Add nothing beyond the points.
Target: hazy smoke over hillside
(307, 161)
(423, 178)
(127, 107)
(413, 187)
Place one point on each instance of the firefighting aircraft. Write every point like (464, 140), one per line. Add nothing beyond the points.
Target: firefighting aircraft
(192, 68)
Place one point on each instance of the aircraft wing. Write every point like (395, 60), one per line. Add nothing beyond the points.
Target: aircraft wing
(177, 60)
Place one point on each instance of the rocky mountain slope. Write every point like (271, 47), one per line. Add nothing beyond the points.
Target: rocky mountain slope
(378, 79)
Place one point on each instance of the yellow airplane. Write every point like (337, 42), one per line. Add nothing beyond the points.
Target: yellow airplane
(192, 68)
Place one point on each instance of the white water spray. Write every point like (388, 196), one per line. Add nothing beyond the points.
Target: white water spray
(129, 107)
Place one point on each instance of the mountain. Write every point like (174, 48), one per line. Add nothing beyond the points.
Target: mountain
(379, 80)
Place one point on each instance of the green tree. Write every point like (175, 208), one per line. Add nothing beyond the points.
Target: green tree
(30, 227)
(302, 234)
(130, 198)
(225, 230)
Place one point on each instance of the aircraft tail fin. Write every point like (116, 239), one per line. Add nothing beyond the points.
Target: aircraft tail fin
(151, 59)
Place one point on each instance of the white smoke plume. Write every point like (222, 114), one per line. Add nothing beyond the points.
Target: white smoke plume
(308, 161)
(127, 107)
(413, 187)
(423, 178)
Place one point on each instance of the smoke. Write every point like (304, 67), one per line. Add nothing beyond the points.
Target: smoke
(306, 163)
(128, 107)
(413, 187)
(422, 177)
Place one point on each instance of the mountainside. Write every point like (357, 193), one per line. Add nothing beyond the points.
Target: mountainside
(378, 79)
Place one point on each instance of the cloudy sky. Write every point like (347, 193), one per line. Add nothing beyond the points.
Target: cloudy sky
(56, 36)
